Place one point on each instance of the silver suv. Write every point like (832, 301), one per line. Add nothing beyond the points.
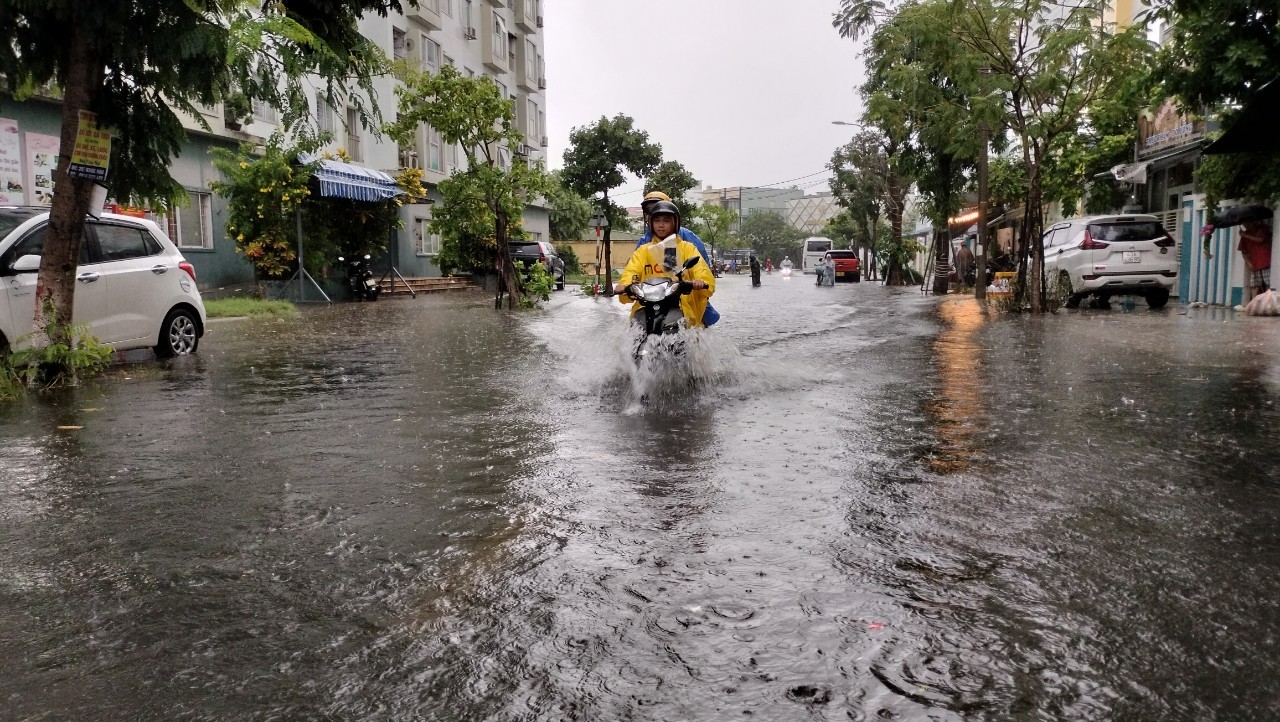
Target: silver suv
(1105, 256)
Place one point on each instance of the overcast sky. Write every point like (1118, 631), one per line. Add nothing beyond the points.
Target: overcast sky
(747, 88)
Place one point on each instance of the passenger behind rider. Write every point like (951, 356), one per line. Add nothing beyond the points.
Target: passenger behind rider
(664, 256)
(646, 205)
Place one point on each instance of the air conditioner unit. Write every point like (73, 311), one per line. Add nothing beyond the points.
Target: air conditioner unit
(539, 21)
(470, 33)
(522, 149)
(542, 83)
(544, 141)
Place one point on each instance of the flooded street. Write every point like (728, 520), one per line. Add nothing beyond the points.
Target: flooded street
(871, 504)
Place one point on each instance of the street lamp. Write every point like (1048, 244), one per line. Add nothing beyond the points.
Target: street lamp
(842, 122)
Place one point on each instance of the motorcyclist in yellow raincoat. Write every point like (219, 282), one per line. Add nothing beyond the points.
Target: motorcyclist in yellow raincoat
(652, 260)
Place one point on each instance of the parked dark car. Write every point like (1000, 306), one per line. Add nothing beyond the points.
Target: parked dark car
(529, 252)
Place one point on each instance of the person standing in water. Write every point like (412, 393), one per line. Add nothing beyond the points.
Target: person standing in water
(755, 270)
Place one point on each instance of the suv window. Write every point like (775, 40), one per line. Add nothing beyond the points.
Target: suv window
(118, 243)
(1132, 231)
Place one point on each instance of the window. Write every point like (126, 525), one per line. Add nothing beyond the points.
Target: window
(263, 111)
(504, 158)
(434, 157)
(530, 60)
(32, 244)
(446, 7)
(190, 226)
(453, 156)
(326, 121)
(531, 120)
(542, 126)
(118, 243)
(500, 47)
(430, 54)
(397, 43)
(502, 89)
(353, 134)
(426, 243)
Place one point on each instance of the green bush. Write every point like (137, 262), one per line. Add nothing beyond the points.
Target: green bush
(536, 281)
(570, 257)
(53, 364)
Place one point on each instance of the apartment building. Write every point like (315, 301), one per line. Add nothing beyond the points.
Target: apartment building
(810, 213)
(500, 39)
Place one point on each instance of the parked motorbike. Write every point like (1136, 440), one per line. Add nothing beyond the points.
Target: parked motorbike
(360, 281)
(660, 313)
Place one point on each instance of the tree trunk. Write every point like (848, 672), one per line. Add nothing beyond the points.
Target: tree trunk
(608, 260)
(893, 274)
(507, 280)
(56, 283)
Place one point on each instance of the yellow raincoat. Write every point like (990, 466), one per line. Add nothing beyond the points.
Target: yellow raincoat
(647, 262)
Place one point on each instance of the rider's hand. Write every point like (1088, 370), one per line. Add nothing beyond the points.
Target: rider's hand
(699, 284)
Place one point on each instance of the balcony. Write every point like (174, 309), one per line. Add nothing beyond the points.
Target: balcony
(498, 3)
(494, 55)
(428, 11)
(524, 15)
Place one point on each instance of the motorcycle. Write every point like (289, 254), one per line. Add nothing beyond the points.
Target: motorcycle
(660, 313)
(360, 281)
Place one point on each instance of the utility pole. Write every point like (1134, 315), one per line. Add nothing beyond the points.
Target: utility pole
(980, 280)
(980, 271)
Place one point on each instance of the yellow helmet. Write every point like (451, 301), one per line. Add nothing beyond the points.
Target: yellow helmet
(654, 197)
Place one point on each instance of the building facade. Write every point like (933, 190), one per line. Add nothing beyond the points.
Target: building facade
(745, 200)
(810, 213)
(499, 39)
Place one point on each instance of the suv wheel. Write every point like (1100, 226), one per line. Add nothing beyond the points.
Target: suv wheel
(178, 334)
(1158, 298)
(1069, 299)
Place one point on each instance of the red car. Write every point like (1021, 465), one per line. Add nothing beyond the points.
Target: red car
(846, 265)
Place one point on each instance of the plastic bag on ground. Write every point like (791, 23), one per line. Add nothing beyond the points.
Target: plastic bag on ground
(1266, 303)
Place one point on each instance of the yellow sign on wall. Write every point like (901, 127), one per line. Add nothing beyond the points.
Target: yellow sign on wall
(92, 152)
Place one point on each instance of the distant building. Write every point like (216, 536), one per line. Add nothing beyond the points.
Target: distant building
(745, 200)
(811, 213)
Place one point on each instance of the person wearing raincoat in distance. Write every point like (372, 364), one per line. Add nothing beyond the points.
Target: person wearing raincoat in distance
(712, 315)
(652, 260)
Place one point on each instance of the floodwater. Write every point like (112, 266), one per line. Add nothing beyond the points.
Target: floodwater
(869, 505)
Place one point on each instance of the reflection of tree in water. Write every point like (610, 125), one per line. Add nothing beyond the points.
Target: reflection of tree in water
(957, 409)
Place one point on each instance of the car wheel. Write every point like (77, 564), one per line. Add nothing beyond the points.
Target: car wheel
(857, 277)
(179, 334)
(1158, 298)
(1069, 299)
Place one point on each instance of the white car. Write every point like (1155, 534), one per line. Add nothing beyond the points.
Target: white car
(133, 287)
(1114, 255)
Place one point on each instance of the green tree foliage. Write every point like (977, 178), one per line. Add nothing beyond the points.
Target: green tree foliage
(769, 235)
(672, 178)
(569, 212)
(484, 203)
(137, 63)
(597, 157)
(869, 180)
(1218, 54)
(712, 224)
(841, 229)
(1047, 68)
(264, 192)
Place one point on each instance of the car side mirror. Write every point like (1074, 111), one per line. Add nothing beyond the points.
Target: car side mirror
(29, 263)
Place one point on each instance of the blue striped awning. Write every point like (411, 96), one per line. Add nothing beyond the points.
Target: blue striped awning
(353, 182)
